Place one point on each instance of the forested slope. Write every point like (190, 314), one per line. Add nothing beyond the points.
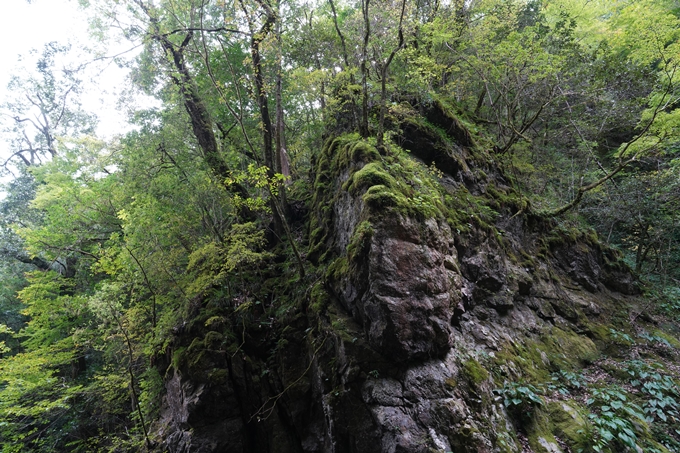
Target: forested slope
(373, 227)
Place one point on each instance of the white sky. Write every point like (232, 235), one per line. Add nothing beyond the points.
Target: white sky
(25, 26)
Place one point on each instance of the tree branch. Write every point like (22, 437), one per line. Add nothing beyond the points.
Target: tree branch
(622, 163)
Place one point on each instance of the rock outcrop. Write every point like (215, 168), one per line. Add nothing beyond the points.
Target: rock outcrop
(436, 292)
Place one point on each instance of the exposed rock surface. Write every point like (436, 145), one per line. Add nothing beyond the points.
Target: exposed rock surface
(405, 296)
(418, 313)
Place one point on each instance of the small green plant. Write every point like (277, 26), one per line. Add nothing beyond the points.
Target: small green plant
(654, 338)
(566, 381)
(670, 304)
(611, 420)
(434, 171)
(620, 337)
(520, 399)
(662, 398)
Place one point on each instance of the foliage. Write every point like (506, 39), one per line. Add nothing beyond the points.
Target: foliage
(566, 381)
(213, 263)
(109, 248)
(522, 399)
(42, 109)
(611, 419)
(660, 391)
(617, 419)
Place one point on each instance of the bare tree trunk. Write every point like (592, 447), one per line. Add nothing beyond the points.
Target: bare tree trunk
(283, 166)
(270, 18)
(345, 58)
(363, 125)
(383, 85)
(199, 116)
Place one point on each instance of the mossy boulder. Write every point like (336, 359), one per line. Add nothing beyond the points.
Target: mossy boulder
(568, 423)
(474, 372)
(536, 358)
(540, 433)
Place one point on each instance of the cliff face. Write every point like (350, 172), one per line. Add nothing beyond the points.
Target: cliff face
(439, 314)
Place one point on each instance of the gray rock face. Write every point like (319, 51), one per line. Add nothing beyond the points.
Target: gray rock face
(409, 296)
(195, 422)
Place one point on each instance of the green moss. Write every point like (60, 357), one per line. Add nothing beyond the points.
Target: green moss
(391, 183)
(464, 210)
(343, 327)
(474, 372)
(394, 183)
(568, 423)
(399, 183)
(350, 148)
(363, 152)
(317, 235)
(540, 433)
(508, 199)
(439, 136)
(455, 113)
(555, 350)
(319, 298)
(195, 354)
(372, 174)
(599, 332)
(381, 197)
(337, 155)
(213, 340)
(569, 350)
(522, 360)
(317, 240)
(670, 339)
(361, 240)
(178, 358)
(561, 235)
(338, 325)
(338, 269)
(528, 260)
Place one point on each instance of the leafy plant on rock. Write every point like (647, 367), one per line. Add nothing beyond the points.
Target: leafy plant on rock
(520, 399)
(614, 420)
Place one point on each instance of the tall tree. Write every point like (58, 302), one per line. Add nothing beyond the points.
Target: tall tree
(43, 107)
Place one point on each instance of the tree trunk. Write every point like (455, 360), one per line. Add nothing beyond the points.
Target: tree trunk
(263, 102)
(201, 123)
(363, 125)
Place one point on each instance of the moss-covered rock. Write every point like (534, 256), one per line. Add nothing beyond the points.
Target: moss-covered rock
(540, 433)
(554, 350)
(431, 285)
(568, 423)
(474, 372)
(369, 175)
